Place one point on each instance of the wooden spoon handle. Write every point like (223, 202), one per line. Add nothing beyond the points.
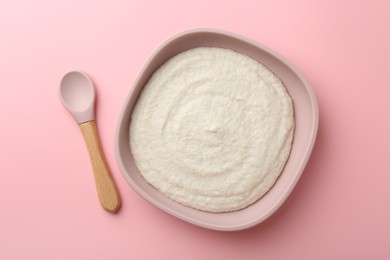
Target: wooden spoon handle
(106, 188)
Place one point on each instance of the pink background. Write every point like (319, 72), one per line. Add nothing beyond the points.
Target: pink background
(340, 209)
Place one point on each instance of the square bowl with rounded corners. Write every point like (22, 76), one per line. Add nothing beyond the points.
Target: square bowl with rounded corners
(306, 120)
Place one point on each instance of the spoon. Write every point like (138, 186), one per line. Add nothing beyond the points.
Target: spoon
(78, 96)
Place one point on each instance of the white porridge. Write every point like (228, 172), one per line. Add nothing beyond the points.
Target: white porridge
(212, 129)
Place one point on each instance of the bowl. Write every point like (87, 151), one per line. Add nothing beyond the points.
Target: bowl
(306, 125)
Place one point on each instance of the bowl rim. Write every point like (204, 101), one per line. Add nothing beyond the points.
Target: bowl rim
(311, 139)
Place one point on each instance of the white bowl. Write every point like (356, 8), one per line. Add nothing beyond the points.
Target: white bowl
(306, 125)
